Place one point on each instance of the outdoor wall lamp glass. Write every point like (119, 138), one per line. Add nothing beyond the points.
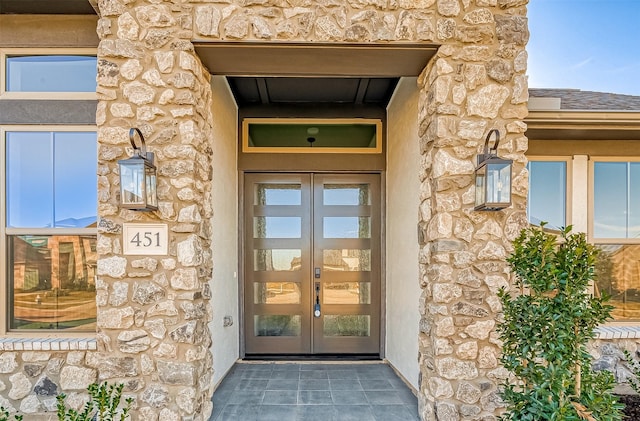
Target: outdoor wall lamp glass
(138, 177)
(493, 177)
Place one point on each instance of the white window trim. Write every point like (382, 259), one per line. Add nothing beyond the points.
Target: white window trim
(618, 330)
(5, 52)
(80, 343)
(579, 193)
(29, 339)
(569, 216)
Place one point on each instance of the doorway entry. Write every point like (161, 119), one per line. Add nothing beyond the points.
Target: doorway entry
(312, 264)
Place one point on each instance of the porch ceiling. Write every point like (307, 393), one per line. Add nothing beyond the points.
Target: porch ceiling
(290, 90)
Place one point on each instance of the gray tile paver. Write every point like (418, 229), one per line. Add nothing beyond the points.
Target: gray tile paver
(313, 392)
(312, 384)
(280, 397)
(280, 384)
(345, 384)
(348, 397)
(376, 384)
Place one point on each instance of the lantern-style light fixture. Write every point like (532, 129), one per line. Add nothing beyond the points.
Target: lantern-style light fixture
(493, 177)
(138, 176)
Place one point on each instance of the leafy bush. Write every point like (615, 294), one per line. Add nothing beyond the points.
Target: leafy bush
(546, 329)
(634, 365)
(5, 416)
(103, 406)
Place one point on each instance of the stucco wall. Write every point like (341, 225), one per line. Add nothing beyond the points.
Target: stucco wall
(224, 240)
(61, 31)
(402, 201)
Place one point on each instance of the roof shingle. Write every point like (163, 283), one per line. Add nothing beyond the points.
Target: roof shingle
(575, 99)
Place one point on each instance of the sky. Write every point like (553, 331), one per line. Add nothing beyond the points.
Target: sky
(592, 45)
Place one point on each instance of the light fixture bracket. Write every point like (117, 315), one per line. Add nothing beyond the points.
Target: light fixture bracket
(140, 151)
(487, 151)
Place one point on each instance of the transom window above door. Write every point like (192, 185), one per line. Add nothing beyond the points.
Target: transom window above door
(268, 135)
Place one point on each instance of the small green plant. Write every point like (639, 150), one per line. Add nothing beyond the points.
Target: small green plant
(5, 416)
(103, 405)
(634, 365)
(546, 329)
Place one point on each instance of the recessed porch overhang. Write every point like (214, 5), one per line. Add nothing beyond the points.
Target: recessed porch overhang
(268, 73)
(317, 59)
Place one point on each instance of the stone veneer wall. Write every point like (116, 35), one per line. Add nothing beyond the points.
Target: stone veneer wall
(34, 372)
(608, 354)
(476, 82)
(152, 312)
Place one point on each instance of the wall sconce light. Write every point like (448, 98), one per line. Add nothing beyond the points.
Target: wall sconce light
(138, 189)
(493, 178)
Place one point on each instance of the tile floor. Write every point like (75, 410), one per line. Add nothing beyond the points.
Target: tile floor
(313, 392)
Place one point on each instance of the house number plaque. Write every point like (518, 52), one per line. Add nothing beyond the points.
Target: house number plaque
(145, 239)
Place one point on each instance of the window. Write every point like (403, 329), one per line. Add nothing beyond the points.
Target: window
(616, 204)
(50, 193)
(547, 201)
(273, 135)
(615, 229)
(34, 74)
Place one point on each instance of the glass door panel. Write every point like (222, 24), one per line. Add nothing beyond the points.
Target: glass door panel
(276, 293)
(346, 293)
(277, 257)
(346, 220)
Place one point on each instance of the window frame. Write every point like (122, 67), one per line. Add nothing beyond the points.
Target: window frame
(568, 199)
(5, 232)
(9, 52)
(628, 323)
(591, 201)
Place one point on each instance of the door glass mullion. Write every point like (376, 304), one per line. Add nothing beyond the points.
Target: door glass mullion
(346, 210)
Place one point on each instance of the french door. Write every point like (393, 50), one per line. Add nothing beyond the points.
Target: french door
(312, 263)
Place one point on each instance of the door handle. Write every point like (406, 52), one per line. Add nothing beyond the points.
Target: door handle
(316, 307)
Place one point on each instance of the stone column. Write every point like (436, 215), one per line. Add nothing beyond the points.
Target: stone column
(153, 310)
(475, 83)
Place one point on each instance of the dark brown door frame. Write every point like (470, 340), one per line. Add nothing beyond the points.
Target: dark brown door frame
(335, 345)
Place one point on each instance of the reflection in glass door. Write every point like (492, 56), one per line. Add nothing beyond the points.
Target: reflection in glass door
(312, 272)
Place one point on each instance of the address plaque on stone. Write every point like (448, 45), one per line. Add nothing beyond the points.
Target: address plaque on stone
(145, 239)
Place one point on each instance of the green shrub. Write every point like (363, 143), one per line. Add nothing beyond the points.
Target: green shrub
(103, 405)
(546, 329)
(5, 416)
(634, 365)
